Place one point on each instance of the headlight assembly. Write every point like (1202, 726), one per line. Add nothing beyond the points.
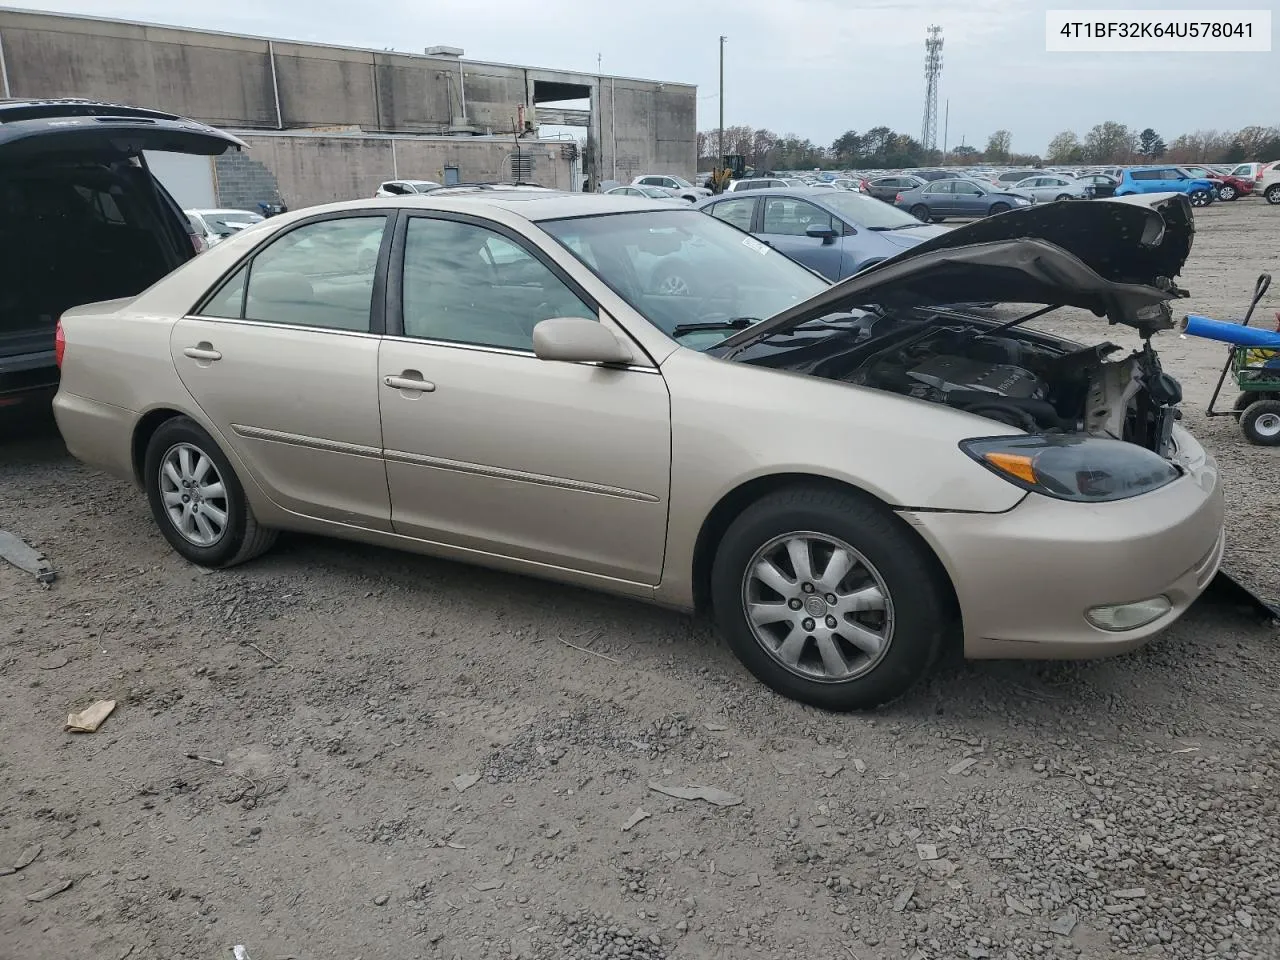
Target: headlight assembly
(1088, 469)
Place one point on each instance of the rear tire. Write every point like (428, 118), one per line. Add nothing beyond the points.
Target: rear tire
(1273, 194)
(1064, 196)
(1260, 423)
(920, 212)
(197, 500)
(1200, 198)
(881, 621)
(1227, 192)
(999, 207)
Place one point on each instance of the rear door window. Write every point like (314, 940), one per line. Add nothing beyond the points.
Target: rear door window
(792, 218)
(736, 212)
(317, 275)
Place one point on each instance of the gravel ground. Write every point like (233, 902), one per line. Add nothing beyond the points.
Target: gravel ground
(414, 763)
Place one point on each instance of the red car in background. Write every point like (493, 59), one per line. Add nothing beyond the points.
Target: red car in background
(1229, 187)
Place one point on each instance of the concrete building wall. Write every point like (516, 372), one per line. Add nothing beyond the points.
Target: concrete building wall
(227, 80)
(306, 169)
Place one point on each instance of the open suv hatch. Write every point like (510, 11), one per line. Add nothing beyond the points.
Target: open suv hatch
(82, 219)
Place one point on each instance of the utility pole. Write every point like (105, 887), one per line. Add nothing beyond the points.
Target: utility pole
(946, 122)
(720, 133)
(599, 61)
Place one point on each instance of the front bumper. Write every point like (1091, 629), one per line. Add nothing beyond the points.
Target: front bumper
(1025, 578)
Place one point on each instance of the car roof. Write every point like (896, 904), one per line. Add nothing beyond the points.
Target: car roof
(533, 205)
(251, 213)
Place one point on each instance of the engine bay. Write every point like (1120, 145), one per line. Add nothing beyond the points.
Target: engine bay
(1024, 379)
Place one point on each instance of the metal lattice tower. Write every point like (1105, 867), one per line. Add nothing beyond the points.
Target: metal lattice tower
(932, 72)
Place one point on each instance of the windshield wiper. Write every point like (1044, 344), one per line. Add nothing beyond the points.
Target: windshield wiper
(901, 226)
(733, 323)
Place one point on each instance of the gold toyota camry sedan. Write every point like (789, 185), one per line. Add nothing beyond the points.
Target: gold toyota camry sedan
(623, 395)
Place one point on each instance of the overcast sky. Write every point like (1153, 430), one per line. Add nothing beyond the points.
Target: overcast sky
(811, 67)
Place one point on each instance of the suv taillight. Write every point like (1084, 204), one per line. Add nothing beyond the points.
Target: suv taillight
(897, 198)
(59, 344)
(198, 243)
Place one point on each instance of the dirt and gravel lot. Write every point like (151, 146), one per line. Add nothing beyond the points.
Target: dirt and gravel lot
(417, 764)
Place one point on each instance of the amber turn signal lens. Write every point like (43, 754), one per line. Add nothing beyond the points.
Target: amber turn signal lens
(1014, 464)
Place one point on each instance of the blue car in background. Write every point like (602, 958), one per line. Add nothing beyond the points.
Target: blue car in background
(833, 232)
(1167, 179)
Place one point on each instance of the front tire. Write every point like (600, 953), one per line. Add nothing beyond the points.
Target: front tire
(1064, 196)
(1000, 207)
(1260, 423)
(1227, 192)
(1200, 198)
(197, 500)
(827, 600)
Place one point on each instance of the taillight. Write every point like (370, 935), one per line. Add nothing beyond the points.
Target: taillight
(897, 198)
(59, 344)
(197, 241)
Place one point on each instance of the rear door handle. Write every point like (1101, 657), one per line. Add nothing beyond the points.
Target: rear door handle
(410, 380)
(202, 352)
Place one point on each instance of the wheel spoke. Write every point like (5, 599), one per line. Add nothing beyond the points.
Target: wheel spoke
(801, 560)
(860, 601)
(216, 516)
(775, 579)
(171, 472)
(202, 525)
(792, 647)
(833, 660)
(203, 464)
(766, 613)
(867, 641)
(214, 491)
(838, 568)
(184, 462)
(172, 498)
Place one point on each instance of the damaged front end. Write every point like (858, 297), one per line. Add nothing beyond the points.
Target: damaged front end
(887, 328)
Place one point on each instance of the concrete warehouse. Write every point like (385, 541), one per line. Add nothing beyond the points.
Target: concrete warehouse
(330, 123)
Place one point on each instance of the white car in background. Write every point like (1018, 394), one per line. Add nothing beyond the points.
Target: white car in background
(213, 226)
(400, 188)
(682, 187)
(1051, 186)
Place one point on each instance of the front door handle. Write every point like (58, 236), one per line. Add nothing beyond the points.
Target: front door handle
(204, 351)
(410, 380)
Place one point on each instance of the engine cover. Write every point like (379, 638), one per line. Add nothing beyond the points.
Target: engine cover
(950, 373)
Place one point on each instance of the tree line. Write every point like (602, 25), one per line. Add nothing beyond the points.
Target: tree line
(882, 148)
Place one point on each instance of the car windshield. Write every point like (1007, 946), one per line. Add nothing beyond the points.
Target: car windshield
(230, 221)
(681, 269)
(656, 192)
(868, 212)
(681, 182)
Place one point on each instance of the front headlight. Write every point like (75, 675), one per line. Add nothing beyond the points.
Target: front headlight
(1022, 201)
(1089, 469)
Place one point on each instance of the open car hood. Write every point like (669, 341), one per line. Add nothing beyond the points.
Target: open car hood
(1114, 257)
(34, 129)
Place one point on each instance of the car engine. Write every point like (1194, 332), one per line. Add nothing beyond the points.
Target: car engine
(1023, 379)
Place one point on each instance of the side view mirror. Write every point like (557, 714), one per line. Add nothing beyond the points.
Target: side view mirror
(823, 232)
(577, 339)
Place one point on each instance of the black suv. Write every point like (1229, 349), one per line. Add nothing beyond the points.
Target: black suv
(82, 219)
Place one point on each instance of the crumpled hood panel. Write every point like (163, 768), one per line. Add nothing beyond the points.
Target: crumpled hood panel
(1116, 258)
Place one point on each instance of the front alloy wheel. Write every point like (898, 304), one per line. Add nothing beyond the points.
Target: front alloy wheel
(828, 598)
(818, 607)
(1200, 198)
(1226, 192)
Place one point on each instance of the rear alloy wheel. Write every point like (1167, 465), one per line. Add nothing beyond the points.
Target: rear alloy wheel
(1064, 196)
(827, 600)
(1261, 423)
(1227, 192)
(999, 207)
(1273, 194)
(920, 212)
(196, 499)
(1200, 198)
